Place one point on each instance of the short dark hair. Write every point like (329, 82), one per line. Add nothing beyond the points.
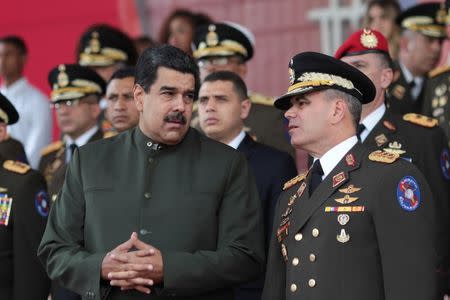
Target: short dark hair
(122, 73)
(16, 41)
(164, 56)
(238, 84)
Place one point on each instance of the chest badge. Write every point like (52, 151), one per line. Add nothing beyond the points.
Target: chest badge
(381, 139)
(339, 178)
(343, 219)
(347, 199)
(343, 237)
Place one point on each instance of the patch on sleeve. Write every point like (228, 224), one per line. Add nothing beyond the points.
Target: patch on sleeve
(445, 164)
(408, 193)
(5, 209)
(42, 204)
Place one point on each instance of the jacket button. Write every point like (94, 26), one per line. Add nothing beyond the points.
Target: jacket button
(315, 232)
(312, 257)
(295, 261)
(293, 287)
(147, 195)
(298, 237)
(312, 283)
(150, 160)
(143, 231)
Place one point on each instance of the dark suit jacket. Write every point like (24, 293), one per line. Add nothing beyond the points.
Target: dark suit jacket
(271, 168)
(370, 248)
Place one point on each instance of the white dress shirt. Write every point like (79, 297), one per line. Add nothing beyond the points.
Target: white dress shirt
(80, 141)
(371, 120)
(34, 128)
(237, 140)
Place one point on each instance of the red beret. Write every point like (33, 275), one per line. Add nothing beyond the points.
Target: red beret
(363, 41)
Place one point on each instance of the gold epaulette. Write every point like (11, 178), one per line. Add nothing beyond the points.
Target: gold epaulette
(420, 120)
(291, 182)
(261, 99)
(52, 147)
(195, 106)
(438, 71)
(109, 134)
(16, 166)
(383, 156)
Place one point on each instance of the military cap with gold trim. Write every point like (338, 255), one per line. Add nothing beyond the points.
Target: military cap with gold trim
(69, 82)
(103, 45)
(222, 39)
(426, 18)
(312, 71)
(8, 114)
(363, 41)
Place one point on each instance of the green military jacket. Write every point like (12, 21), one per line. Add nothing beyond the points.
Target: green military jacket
(196, 202)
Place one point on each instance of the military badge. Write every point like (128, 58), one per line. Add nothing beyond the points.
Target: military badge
(301, 189)
(398, 91)
(381, 139)
(368, 39)
(63, 78)
(291, 76)
(343, 237)
(212, 39)
(350, 160)
(339, 178)
(344, 208)
(290, 183)
(384, 157)
(42, 204)
(347, 199)
(283, 230)
(408, 193)
(284, 252)
(343, 219)
(395, 148)
(389, 125)
(5, 209)
(292, 199)
(350, 189)
(445, 163)
(287, 212)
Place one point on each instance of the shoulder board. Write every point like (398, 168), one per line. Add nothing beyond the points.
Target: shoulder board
(109, 134)
(52, 147)
(383, 156)
(288, 184)
(438, 71)
(195, 106)
(420, 120)
(261, 99)
(16, 166)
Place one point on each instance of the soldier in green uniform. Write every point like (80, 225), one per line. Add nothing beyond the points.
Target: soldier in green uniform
(23, 214)
(423, 31)
(359, 224)
(414, 137)
(190, 202)
(228, 47)
(10, 148)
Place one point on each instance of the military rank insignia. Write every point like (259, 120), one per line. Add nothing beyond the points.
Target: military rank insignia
(5, 209)
(381, 139)
(408, 193)
(42, 204)
(290, 183)
(421, 120)
(339, 178)
(350, 160)
(398, 91)
(445, 163)
(384, 157)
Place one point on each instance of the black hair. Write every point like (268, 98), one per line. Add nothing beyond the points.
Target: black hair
(238, 84)
(17, 41)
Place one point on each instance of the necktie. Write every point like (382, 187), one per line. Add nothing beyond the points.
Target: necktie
(72, 148)
(316, 176)
(359, 130)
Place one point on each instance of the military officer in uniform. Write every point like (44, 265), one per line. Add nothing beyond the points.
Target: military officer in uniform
(359, 224)
(190, 201)
(423, 31)
(23, 214)
(10, 148)
(228, 47)
(414, 137)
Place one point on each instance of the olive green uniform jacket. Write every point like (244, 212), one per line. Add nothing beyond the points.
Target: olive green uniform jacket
(196, 202)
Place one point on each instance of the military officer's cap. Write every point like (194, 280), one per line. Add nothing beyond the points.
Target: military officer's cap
(223, 39)
(8, 114)
(363, 41)
(70, 82)
(312, 71)
(426, 18)
(103, 45)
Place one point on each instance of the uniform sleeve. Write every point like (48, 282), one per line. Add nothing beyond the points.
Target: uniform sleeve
(406, 235)
(30, 216)
(240, 252)
(62, 250)
(275, 282)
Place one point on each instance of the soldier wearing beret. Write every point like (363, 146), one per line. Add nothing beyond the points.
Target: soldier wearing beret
(228, 47)
(351, 227)
(423, 31)
(11, 148)
(24, 208)
(176, 209)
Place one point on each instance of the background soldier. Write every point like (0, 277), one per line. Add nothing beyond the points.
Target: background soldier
(354, 210)
(24, 209)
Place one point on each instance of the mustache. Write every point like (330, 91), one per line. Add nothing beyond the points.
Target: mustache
(175, 117)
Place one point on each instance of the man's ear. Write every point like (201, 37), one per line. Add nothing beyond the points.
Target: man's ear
(3, 132)
(387, 76)
(246, 105)
(338, 111)
(138, 93)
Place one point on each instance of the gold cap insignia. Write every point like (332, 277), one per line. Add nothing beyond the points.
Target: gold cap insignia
(368, 39)
(383, 156)
(291, 76)
(63, 78)
(212, 39)
(94, 44)
(420, 120)
(350, 189)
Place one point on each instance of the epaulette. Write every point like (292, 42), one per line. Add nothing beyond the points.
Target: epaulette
(109, 134)
(16, 166)
(383, 156)
(291, 182)
(195, 106)
(52, 147)
(420, 120)
(438, 71)
(261, 99)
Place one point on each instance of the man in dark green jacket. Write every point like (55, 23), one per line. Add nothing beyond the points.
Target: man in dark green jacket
(189, 203)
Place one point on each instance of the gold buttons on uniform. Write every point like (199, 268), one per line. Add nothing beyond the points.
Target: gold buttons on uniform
(147, 195)
(298, 237)
(312, 257)
(311, 283)
(295, 261)
(315, 232)
(293, 287)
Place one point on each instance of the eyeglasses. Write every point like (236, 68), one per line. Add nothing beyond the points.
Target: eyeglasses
(67, 103)
(217, 61)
